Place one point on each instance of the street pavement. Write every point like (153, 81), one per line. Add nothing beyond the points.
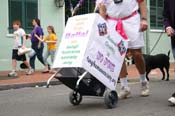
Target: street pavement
(54, 101)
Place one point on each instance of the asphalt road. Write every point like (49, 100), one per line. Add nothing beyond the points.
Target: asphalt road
(54, 102)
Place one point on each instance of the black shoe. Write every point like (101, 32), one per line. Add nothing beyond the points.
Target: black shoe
(173, 95)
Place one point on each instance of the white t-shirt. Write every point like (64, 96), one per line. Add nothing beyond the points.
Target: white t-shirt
(120, 10)
(18, 38)
(132, 25)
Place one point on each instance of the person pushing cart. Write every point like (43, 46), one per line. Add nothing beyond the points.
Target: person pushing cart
(130, 24)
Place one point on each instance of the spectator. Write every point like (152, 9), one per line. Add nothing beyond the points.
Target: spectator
(19, 41)
(37, 45)
(169, 22)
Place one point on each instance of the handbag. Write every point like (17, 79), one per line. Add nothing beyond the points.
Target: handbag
(22, 51)
(31, 53)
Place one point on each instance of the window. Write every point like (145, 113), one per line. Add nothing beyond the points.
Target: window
(156, 18)
(87, 7)
(23, 10)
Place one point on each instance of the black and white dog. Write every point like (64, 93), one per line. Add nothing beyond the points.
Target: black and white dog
(160, 61)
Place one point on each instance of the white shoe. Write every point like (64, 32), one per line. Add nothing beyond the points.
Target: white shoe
(145, 89)
(13, 74)
(124, 93)
(172, 100)
(29, 72)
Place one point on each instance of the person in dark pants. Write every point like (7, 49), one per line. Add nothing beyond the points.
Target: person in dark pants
(36, 38)
(169, 22)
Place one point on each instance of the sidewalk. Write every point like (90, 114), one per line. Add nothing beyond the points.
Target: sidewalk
(40, 79)
(23, 80)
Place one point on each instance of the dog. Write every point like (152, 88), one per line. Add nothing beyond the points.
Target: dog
(160, 61)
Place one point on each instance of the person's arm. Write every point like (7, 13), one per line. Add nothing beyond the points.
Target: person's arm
(39, 37)
(23, 34)
(101, 10)
(143, 12)
(39, 34)
(28, 36)
(166, 16)
(51, 41)
(24, 41)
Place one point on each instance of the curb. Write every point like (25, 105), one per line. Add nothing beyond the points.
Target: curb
(39, 84)
(24, 85)
(54, 83)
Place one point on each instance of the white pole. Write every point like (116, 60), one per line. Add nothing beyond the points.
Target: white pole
(148, 30)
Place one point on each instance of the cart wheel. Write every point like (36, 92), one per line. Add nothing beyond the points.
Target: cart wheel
(111, 99)
(75, 98)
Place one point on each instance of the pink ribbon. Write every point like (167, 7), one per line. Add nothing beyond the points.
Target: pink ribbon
(119, 26)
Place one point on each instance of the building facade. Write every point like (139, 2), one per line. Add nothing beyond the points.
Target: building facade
(25, 10)
(51, 14)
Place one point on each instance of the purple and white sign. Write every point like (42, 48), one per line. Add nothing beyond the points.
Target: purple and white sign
(88, 42)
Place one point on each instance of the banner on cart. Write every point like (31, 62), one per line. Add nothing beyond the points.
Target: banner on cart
(105, 53)
(88, 42)
(74, 41)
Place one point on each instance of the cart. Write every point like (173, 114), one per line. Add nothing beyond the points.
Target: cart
(86, 58)
(82, 84)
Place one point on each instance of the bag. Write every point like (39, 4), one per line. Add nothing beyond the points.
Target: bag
(31, 53)
(22, 51)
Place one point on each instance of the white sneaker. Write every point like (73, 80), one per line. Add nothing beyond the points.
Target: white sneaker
(145, 89)
(13, 74)
(29, 72)
(172, 100)
(124, 93)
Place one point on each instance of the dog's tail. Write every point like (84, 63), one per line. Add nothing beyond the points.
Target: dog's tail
(169, 53)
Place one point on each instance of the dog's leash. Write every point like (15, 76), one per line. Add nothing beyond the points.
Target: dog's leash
(156, 42)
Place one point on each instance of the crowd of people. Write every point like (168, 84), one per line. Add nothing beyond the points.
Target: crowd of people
(124, 14)
(37, 46)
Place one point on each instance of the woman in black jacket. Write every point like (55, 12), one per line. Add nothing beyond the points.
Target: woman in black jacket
(169, 22)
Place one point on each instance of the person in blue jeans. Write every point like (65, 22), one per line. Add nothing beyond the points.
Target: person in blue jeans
(37, 45)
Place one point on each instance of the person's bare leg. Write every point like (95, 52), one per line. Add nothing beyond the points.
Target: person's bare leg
(123, 72)
(125, 90)
(13, 72)
(14, 65)
(140, 64)
(30, 70)
(27, 64)
(139, 60)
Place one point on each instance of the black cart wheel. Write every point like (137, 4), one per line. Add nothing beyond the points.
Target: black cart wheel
(111, 99)
(75, 98)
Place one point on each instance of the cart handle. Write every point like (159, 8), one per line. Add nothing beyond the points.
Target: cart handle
(80, 78)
